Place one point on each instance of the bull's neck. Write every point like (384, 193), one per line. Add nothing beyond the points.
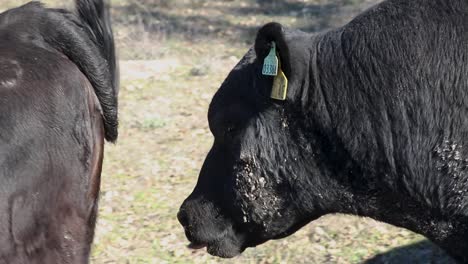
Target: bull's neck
(328, 94)
(448, 232)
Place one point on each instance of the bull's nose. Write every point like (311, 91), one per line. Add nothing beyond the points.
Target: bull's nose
(183, 217)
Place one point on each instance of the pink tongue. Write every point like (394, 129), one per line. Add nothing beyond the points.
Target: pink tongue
(196, 246)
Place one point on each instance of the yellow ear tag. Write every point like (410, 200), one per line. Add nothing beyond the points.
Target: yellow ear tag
(280, 86)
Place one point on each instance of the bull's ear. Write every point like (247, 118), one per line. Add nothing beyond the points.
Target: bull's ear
(273, 32)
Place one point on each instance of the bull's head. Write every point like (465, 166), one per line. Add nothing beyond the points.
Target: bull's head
(265, 176)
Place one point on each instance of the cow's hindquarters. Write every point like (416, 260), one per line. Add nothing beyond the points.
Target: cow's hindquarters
(51, 149)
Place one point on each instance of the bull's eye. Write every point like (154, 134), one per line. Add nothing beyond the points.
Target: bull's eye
(230, 132)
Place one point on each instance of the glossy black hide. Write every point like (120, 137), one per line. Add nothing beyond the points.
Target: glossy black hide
(58, 101)
(374, 124)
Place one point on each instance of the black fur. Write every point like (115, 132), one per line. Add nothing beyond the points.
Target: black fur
(58, 100)
(375, 124)
(94, 16)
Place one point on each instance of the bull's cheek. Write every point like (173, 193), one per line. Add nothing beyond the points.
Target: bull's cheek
(259, 203)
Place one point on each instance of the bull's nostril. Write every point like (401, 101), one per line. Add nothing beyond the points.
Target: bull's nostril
(183, 218)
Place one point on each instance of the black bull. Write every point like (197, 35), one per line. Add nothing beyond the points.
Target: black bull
(58, 101)
(375, 124)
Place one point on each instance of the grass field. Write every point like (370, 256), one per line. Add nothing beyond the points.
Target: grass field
(174, 55)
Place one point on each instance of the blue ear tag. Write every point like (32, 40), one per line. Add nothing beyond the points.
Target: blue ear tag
(270, 64)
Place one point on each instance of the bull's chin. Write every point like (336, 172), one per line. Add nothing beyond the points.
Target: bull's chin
(228, 245)
(224, 249)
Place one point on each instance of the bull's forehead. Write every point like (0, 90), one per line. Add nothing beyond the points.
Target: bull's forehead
(243, 87)
(248, 58)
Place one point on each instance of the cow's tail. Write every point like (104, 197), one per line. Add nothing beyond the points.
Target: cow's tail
(95, 18)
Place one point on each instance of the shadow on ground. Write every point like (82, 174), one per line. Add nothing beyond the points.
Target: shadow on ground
(419, 253)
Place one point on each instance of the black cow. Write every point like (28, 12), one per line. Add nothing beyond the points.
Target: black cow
(375, 124)
(58, 101)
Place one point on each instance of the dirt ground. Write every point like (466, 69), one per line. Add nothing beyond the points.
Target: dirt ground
(174, 55)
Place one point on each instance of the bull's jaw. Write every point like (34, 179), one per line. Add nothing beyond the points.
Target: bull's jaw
(224, 248)
(228, 245)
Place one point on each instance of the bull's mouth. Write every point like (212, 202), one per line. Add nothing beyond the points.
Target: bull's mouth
(218, 249)
(221, 236)
(228, 244)
(223, 248)
(197, 246)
